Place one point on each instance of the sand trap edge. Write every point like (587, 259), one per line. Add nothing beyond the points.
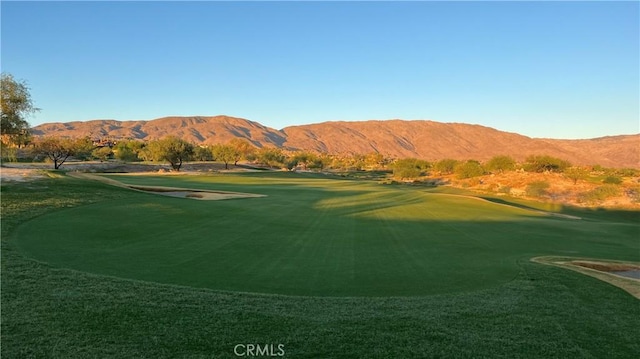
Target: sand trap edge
(629, 285)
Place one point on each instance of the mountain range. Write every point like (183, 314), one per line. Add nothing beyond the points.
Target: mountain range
(423, 139)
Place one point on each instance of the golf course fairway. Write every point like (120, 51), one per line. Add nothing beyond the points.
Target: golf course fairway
(313, 235)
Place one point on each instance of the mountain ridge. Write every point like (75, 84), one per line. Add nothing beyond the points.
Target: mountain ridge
(427, 139)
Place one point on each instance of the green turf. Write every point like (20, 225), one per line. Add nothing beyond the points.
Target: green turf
(540, 312)
(311, 236)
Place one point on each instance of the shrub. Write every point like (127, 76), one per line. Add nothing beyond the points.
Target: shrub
(83, 148)
(501, 164)
(545, 163)
(575, 174)
(612, 180)
(445, 166)
(409, 168)
(202, 153)
(128, 151)
(272, 157)
(628, 172)
(102, 153)
(600, 193)
(537, 189)
(468, 169)
(8, 153)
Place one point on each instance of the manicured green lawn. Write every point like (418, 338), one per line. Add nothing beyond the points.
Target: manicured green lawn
(312, 236)
(376, 271)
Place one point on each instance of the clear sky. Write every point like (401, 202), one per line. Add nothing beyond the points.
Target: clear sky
(542, 69)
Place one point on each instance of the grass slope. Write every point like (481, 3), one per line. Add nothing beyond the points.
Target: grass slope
(541, 312)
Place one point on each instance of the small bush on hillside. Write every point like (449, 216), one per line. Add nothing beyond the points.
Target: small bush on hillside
(612, 180)
(628, 172)
(600, 193)
(537, 189)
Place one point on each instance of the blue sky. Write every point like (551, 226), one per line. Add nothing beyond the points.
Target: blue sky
(542, 69)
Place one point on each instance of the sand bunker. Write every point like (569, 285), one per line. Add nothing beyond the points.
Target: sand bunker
(624, 275)
(201, 194)
(621, 269)
(194, 194)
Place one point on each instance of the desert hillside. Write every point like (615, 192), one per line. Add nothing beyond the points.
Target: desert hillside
(196, 129)
(395, 138)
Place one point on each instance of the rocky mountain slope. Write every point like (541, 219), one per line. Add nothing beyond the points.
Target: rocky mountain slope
(396, 138)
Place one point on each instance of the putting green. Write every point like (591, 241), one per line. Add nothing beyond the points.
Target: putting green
(311, 236)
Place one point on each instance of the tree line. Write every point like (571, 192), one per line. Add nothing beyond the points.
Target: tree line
(176, 151)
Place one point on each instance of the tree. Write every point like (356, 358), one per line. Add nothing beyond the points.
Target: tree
(171, 149)
(243, 149)
(202, 153)
(58, 149)
(83, 148)
(305, 159)
(224, 153)
(356, 162)
(376, 160)
(409, 168)
(128, 150)
(102, 153)
(319, 162)
(468, 169)
(272, 157)
(575, 174)
(545, 163)
(16, 106)
(445, 166)
(537, 189)
(501, 163)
